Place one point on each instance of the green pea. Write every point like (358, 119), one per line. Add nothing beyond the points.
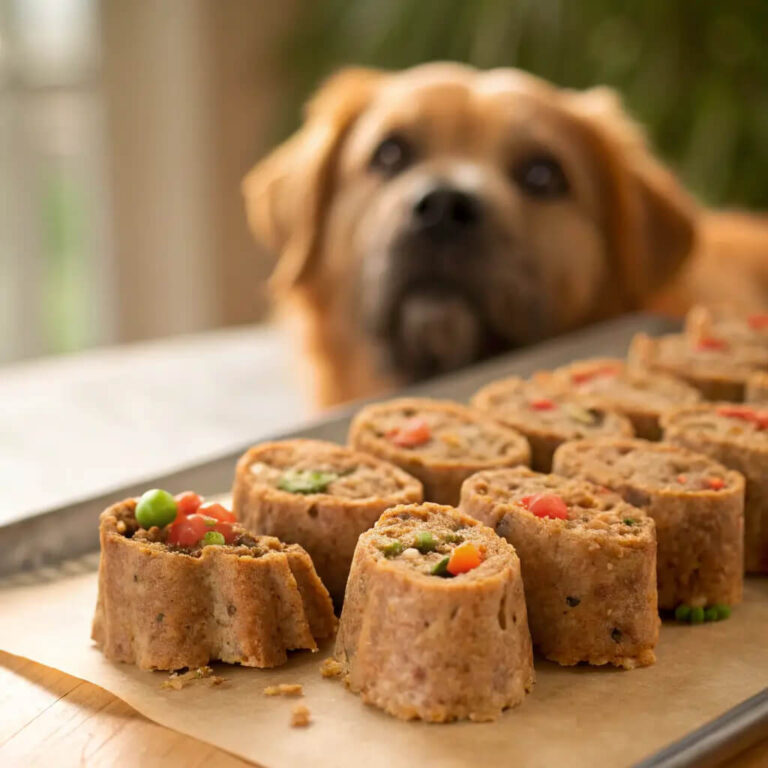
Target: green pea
(424, 541)
(156, 507)
(697, 615)
(710, 613)
(723, 611)
(628, 521)
(683, 612)
(441, 568)
(391, 547)
(306, 481)
(213, 538)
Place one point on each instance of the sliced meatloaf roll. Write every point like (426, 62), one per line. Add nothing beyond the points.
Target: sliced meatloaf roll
(438, 441)
(197, 587)
(434, 623)
(737, 437)
(729, 324)
(547, 414)
(319, 495)
(638, 394)
(718, 368)
(696, 503)
(588, 561)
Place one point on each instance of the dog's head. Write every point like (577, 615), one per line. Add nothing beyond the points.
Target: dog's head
(441, 214)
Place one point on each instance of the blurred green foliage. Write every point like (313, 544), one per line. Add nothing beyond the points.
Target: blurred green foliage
(693, 72)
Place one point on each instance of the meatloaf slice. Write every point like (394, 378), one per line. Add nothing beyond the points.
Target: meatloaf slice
(639, 394)
(166, 607)
(719, 369)
(737, 437)
(438, 441)
(434, 623)
(319, 495)
(588, 561)
(547, 414)
(696, 503)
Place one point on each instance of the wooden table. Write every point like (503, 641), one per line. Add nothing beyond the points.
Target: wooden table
(44, 712)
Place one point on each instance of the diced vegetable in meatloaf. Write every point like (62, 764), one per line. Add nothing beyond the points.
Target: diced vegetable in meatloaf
(696, 503)
(319, 495)
(182, 590)
(588, 561)
(737, 437)
(434, 623)
(639, 394)
(437, 441)
(718, 368)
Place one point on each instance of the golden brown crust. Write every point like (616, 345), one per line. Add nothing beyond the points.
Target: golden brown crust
(325, 524)
(443, 463)
(699, 530)
(590, 579)
(421, 646)
(165, 609)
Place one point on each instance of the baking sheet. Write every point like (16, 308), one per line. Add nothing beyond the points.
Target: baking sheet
(576, 717)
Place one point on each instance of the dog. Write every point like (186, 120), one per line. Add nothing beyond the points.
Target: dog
(429, 218)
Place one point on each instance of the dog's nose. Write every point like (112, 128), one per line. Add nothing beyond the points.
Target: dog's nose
(445, 210)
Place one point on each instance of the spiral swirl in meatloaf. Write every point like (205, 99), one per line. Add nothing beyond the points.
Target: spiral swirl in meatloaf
(588, 561)
(548, 414)
(696, 503)
(166, 607)
(434, 623)
(437, 441)
(319, 495)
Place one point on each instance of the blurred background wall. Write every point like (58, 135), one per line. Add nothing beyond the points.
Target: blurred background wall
(126, 126)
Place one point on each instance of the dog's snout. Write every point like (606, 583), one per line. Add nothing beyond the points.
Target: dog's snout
(444, 209)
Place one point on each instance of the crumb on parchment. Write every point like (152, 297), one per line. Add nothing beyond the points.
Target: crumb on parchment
(330, 668)
(300, 716)
(284, 689)
(178, 680)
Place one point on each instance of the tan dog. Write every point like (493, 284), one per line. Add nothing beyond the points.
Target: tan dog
(429, 218)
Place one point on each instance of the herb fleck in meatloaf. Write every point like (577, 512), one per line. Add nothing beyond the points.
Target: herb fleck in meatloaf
(717, 368)
(434, 623)
(164, 606)
(640, 395)
(696, 503)
(438, 441)
(728, 324)
(588, 561)
(546, 414)
(737, 437)
(320, 495)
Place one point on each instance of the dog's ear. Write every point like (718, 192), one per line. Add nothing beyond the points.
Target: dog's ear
(288, 192)
(652, 219)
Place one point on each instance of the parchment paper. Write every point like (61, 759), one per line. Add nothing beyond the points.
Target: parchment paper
(577, 716)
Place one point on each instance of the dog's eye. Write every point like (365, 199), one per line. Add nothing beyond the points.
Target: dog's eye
(391, 156)
(541, 176)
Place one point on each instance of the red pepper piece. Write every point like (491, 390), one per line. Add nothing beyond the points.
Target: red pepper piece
(543, 404)
(217, 511)
(546, 505)
(581, 377)
(712, 343)
(716, 483)
(758, 322)
(187, 531)
(682, 479)
(413, 433)
(187, 503)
